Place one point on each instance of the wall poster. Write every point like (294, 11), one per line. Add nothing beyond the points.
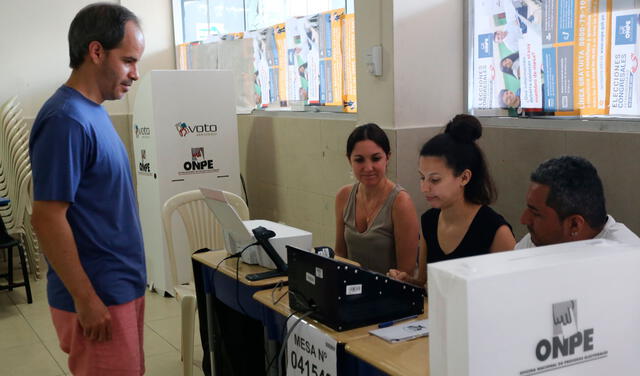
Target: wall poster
(556, 57)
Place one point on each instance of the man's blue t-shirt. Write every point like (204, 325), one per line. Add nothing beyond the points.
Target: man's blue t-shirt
(77, 157)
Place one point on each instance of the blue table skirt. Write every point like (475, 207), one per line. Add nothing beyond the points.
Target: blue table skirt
(224, 288)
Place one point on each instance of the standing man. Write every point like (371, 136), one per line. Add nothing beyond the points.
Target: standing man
(85, 213)
(565, 203)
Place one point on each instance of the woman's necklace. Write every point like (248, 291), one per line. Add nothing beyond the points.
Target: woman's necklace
(371, 208)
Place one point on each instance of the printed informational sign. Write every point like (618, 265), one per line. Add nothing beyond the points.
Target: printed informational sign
(305, 61)
(263, 44)
(508, 55)
(349, 94)
(310, 352)
(556, 57)
(331, 57)
(624, 60)
(281, 37)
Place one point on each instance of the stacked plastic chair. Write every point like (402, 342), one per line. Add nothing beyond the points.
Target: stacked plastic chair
(15, 181)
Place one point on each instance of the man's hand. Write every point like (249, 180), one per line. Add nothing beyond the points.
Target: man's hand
(95, 319)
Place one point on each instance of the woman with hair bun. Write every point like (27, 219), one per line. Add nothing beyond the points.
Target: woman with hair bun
(455, 180)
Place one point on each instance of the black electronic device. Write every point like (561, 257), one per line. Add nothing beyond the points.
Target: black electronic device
(343, 296)
(324, 251)
(262, 236)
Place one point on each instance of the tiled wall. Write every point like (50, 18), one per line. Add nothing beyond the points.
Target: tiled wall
(294, 165)
(293, 168)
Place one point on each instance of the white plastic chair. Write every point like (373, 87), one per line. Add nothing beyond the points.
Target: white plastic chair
(15, 180)
(203, 231)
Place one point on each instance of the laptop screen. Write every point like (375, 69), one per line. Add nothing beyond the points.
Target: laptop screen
(236, 234)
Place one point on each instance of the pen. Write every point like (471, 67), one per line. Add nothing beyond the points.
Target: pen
(392, 322)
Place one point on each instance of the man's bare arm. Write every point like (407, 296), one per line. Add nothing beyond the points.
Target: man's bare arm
(54, 234)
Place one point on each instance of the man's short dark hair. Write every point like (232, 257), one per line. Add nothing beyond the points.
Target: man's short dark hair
(102, 22)
(575, 188)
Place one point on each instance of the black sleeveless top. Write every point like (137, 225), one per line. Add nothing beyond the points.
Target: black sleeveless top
(477, 240)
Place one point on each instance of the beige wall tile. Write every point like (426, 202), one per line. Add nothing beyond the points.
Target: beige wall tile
(409, 142)
(245, 128)
(374, 26)
(522, 150)
(327, 235)
(336, 172)
(598, 149)
(261, 158)
(392, 167)
(292, 164)
(613, 156)
(293, 167)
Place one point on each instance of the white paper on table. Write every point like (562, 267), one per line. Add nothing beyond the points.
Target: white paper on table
(403, 332)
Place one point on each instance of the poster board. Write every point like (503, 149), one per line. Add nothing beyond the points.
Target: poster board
(304, 61)
(556, 57)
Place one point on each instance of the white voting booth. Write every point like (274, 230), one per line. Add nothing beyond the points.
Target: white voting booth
(567, 309)
(185, 136)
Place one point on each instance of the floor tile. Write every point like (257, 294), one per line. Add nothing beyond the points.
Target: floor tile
(167, 364)
(168, 329)
(37, 309)
(53, 346)
(34, 349)
(38, 292)
(154, 344)
(29, 360)
(43, 327)
(158, 307)
(17, 333)
(7, 308)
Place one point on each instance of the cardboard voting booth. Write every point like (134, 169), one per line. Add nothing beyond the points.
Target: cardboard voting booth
(567, 309)
(185, 136)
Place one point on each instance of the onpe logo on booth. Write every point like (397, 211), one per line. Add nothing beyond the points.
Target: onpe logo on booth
(197, 154)
(144, 168)
(570, 345)
(567, 336)
(198, 163)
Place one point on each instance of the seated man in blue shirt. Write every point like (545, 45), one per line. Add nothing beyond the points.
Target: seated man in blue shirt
(565, 203)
